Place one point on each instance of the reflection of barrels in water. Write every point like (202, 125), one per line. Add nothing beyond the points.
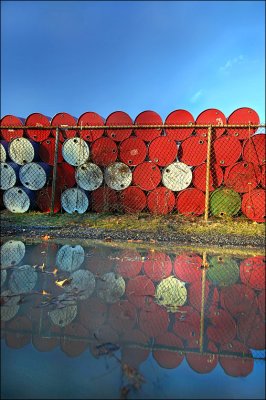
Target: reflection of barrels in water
(176, 176)
(23, 151)
(111, 287)
(38, 120)
(253, 205)
(69, 258)
(48, 338)
(74, 340)
(252, 272)
(224, 202)
(129, 263)
(222, 328)
(19, 199)
(63, 316)
(153, 320)
(157, 266)
(187, 323)
(132, 352)
(9, 175)
(203, 364)
(19, 332)
(92, 313)
(139, 290)
(23, 279)
(167, 358)
(34, 175)
(3, 276)
(237, 299)
(251, 329)
(82, 283)
(236, 366)
(74, 200)
(10, 307)
(223, 271)
(12, 252)
(187, 267)
(10, 134)
(122, 317)
(89, 176)
(75, 151)
(171, 293)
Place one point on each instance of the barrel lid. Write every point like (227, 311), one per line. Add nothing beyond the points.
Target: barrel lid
(211, 116)
(161, 201)
(74, 340)
(132, 151)
(104, 334)
(252, 272)
(10, 134)
(82, 284)
(63, 316)
(92, 312)
(215, 178)
(129, 263)
(3, 276)
(261, 303)
(104, 199)
(8, 176)
(179, 117)
(263, 176)
(74, 200)
(190, 202)
(75, 151)
(237, 299)
(157, 265)
(38, 120)
(148, 118)
(110, 287)
(193, 151)
(140, 290)
(254, 149)
(201, 363)
(93, 119)
(47, 151)
(21, 151)
(10, 307)
(253, 205)
(23, 279)
(12, 252)
(44, 199)
(133, 356)
(65, 177)
(222, 328)
(168, 358)
(50, 340)
(226, 150)
(64, 119)
(122, 316)
(132, 199)
(147, 175)
(236, 366)
(118, 176)
(242, 176)
(224, 202)
(153, 320)
(70, 258)
(89, 176)
(3, 153)
(177, 176)
(34, 175)
(19, 332)
(162, 151)
(187, 323)
(223, 271)
(251, 329)
(118, 118)
(242, 116)
(171, 293)
(187, 267)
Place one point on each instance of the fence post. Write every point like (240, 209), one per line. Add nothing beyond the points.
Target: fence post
(54, 169)
(208, 165)
(203, 281)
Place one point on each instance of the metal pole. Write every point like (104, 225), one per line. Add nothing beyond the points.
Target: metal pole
(208, 165)
(204, 264)
(55, 169)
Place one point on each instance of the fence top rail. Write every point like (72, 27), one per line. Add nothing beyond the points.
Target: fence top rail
(146, 126)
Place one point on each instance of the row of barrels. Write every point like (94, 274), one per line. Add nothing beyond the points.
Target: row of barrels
(241, 116)
(130, 303)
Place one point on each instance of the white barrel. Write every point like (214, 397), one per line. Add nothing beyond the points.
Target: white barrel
(75, 151)
(18, 199)
(63, 316)
(3, 150)
(110, 287)
(34, 175)
(118, 176)
(70, 258)
(3, 276)
(82, 284)
(10, 307)
(74, 200)
(12, 252)
(23, 279)
(89, 176)
(9, 174)
(22, 150)
(177, 176)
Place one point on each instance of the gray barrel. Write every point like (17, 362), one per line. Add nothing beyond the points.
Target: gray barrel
(18, 199)
(34, 175)
(82, 283)
(23, 151)
(110, 287)
(3, 276)
(69, 258)
(118, 176)
(74, 200)
(3, 150)
(63, 316)
(9, 175)
(75, 151)
(89, 176)
(177, 176)
(12, 252)
(23, 279)
(10, 307)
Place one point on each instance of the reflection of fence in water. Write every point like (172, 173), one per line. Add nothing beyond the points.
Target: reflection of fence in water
(216, 315)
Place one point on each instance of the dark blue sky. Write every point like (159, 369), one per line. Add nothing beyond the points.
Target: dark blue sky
(103, 56)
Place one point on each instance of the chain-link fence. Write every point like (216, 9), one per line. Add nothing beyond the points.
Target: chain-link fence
(207, 308)
(214, 166)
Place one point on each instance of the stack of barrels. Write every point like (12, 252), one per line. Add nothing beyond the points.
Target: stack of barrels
(136, 169)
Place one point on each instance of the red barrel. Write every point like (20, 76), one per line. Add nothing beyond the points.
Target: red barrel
(236, 366)
(74, 339)
(11, 120)
(254, 149)
(148, 118)
(132, 200)
(48, 341)
(187, 323)
(190, 202)
(167, 358)
(161, 201)
(129, 264)
(223, 327)
(242, 176)
(162, 151)
(65, 177)
(119, 118)
(153, 320)
(132, 151)
(44, 199)
(93, 119)
(147, 176)
(193, 151)
(215, 178)
(64, 119)
(251, 330)
(226, 150)
(122, 316)
(92, 313)
(263, 176)
(133, 356)
(187, 267)
(140, 291)
(253, 205)
(47, 151)
(252, 272)
(18, 333)
(203, 364)
(104, 151)
(212, 116)
(237, 299)
(261, 303)
(242, 116)
(157, 266)
(179, 117)
(104, 199)
(38, 120)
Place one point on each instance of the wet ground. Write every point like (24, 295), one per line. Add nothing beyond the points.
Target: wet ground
(85, 320)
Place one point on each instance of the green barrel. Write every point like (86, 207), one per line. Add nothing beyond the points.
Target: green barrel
(224, 202)
(223, 271)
